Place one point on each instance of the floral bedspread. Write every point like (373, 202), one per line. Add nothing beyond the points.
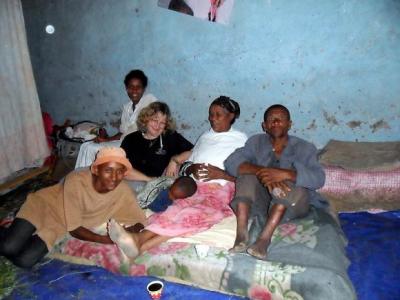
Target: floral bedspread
(208, 206)
(306, 260)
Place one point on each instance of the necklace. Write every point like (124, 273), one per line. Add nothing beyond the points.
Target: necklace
(150, 141)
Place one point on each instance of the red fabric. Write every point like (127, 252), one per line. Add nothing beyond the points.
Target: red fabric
(48, 123)
(48, 130)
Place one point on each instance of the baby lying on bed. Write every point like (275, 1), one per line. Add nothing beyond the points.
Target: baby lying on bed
(182, 187)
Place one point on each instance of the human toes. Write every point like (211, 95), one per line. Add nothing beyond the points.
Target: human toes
(125, 241)
(255, 252)
(115, 230)
(239, 248)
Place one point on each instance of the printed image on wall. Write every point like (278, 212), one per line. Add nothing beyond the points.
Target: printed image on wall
(218, 11)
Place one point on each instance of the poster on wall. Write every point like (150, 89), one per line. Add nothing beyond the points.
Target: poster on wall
(218, 11)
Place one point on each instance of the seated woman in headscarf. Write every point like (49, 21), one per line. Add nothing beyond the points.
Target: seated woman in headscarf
(215, 188)
(84, 200)
(135, 85)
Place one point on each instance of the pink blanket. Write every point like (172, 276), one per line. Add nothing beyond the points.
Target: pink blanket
(342, 181)
(188, 216)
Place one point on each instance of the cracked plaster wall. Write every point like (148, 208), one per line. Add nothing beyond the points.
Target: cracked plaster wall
(334, 64)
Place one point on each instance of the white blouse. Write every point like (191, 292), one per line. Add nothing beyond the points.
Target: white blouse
(129, 116)
(214, 147)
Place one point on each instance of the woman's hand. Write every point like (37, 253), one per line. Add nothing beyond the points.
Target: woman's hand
(172, 169)
(206, 172)
(134, 174)
(197, 170)
(213, 172)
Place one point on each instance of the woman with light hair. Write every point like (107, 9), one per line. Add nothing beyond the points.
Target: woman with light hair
(151, 149)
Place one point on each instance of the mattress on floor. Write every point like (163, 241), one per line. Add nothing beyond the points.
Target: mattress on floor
(361, 175)
(306, 260)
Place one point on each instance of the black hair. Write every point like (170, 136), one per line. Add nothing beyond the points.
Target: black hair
(186, 184)
(136, 74)
(280, 106)
(229, 104)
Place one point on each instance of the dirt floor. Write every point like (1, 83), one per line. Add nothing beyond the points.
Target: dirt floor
(12, 201)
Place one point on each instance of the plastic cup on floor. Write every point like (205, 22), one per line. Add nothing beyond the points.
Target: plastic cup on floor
(155, 289)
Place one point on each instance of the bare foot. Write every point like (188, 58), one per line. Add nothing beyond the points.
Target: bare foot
(124, 240)
(240, 244)
(259, 249)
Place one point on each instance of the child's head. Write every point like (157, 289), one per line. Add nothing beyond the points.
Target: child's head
(182, 187)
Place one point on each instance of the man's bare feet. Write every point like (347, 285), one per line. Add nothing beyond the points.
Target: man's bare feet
(124, 240)
(239, 248)
(259, 249)
(240, 244)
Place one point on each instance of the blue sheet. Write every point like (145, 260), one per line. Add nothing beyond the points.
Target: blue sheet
(374, 252)
(60, 280)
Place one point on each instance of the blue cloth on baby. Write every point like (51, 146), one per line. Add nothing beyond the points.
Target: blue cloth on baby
(161, 202)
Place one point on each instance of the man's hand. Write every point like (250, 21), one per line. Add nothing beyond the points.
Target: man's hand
(268, 176)
(279, 189)
(135, 228)
(274, 179)
(85, 234)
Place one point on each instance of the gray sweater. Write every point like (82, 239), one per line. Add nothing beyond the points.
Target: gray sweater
(298, 155)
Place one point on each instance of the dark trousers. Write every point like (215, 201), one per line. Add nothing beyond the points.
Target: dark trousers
(249, 190)
(20, 245)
